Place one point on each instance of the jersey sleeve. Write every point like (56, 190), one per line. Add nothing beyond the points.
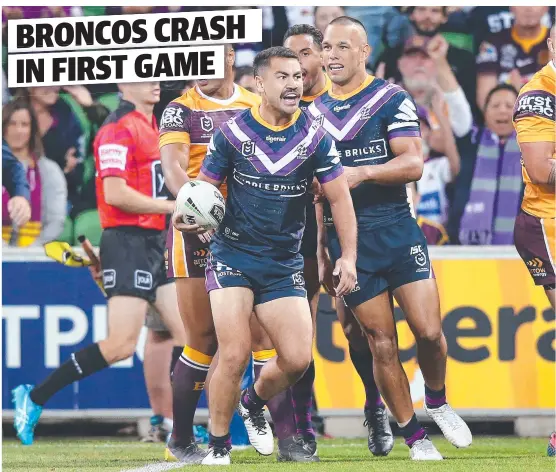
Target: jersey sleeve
(115, 150)
(401, 117)
(534, 117)
(218, 158)
(175, 125)
(487, 58)
(327, 161)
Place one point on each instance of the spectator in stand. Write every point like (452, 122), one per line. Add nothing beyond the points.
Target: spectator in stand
(46, 180)
(427, 23)
(423, 65)
(429, 193)
(513, 55)
(61, 133)
(245, 78)
(324, 15)
(14, 182)
(489, 188)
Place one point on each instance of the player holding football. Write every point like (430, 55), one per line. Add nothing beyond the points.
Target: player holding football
(269, 155)
(378, 138)
(306, 42)
(186, 127)
(132, 210)
(535, 227)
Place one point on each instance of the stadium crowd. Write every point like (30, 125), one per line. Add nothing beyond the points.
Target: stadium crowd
(462, 65)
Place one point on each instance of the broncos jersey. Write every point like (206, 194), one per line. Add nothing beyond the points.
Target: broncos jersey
(534, 121)
(363, 123)
(193, 118)
(269, 170)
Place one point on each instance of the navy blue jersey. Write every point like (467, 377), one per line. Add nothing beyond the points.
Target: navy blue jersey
(363, 123)
(269, 171)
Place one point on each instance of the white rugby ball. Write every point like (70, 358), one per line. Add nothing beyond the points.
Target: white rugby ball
(201, 203)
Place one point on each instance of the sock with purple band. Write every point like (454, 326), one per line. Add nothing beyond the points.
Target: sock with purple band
(280, 409)
(413, 431)
(223, 442)
(302, 401)
(363, 363)
(435, 398)
(250, 399)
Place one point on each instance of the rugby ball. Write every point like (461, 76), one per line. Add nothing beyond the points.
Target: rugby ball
(201, 203)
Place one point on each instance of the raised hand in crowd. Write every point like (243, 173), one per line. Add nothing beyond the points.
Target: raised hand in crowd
(71, 160)
(80, 94)
(19, 210)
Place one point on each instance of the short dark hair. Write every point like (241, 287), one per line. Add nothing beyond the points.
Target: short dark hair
(19, 102)
(508, 87)
(348, 20)
(308, 30)
(243, 71)
(409, 11)
(263, 58)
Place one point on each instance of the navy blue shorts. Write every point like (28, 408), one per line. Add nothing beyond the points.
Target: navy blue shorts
(387, 258)
(268, 278)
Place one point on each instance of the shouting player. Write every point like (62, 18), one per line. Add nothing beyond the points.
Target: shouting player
(535, 227)
(269, 155)
(377, 134)
(132, 210)
(186, 128)
(306, 42)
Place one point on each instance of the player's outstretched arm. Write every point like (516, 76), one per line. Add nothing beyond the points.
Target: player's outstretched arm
(337, 193)
(174, 158)
(406, 167)
(538, 162)
(117, 193)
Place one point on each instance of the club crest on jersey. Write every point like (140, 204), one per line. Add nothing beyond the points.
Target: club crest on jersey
(207, 124)
(248, 148)
(301, 151)
(319, 120)
(365, 113)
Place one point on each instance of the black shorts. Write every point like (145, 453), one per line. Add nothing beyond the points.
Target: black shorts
(309, 241)
(132, 262)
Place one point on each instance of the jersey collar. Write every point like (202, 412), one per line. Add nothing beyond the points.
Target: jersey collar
(368, 80)
(528, 44)
(261, 121)
(227, 101)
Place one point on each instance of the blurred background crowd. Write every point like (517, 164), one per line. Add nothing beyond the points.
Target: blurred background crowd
(463, 66)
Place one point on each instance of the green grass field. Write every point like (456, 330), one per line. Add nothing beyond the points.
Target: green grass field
(487, 454)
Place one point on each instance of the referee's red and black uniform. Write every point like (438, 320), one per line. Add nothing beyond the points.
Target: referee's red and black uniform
(132, 245)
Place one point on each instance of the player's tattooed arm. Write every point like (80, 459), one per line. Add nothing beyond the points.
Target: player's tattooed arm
(539, 163)
(406, 167)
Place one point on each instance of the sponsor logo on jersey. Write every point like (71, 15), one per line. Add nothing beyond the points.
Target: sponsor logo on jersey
(407, 111)
(207, 124)
(143, 280)
(536, 267)
(273, 139)
(284, 189)
(375, 150)
(487, 53)
(339, 108)
(298, 279)
(541, 104)
(112, 156)
(420, 256)
(200, 253)
(172, 117)
(231, 234)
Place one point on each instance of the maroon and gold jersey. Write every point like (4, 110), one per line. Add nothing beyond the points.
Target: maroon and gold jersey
(505, 51)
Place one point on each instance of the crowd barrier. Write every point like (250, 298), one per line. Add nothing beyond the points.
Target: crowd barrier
(499, 328)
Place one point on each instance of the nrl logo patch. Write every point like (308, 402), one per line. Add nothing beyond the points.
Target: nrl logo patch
(248, 148)
(207, 124)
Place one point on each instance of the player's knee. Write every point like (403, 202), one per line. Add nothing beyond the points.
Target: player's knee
(385, 349)
(430, 335)
(296, 363)
(118, 349)
(234, 359)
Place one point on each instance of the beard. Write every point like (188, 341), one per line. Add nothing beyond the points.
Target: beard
(420, 32)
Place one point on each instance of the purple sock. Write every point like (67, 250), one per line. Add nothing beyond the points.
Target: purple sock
(302, 401)
(435, 398)
(363, 363)
(280, 409)
(413, 431)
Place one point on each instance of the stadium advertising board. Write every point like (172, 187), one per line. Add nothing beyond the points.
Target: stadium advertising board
(500, 335)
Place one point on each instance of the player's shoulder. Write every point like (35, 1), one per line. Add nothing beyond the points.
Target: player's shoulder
(536, 98)
(247, 98)
(188, 99)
